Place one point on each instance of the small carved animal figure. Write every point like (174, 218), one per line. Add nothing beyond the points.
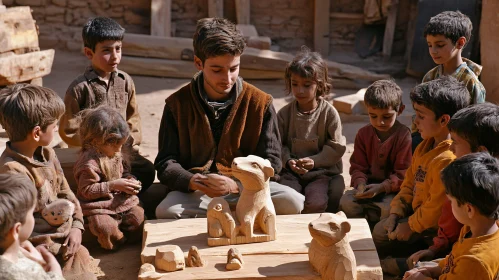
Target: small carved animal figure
(330, 253)
(194, 259)
(234, 259)
(220, 220)
(254, 208)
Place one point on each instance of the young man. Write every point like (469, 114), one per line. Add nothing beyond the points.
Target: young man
(472, 186)
(447, 34)
(29, 116)
(415, 210)
(209, 122)
(103, 84)
(381, 155)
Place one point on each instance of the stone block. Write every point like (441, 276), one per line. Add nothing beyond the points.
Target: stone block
(169, 258)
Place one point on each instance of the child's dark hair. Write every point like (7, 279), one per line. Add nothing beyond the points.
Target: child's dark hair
(25, 106)
(100, 29)
(217, 37)
(102, 125)
(474, 179)
(309, 65)
(452, 24)
(443, 96)
(17, 197)
(479, 126)
(383, 94)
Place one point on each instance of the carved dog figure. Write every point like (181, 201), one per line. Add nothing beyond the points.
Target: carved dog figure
(254, 208)
(330, 253)
(220, 220)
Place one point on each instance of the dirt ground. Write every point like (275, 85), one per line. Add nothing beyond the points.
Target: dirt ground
(151, 93)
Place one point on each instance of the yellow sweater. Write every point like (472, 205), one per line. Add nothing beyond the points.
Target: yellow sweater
(472, 258)
(422, 192)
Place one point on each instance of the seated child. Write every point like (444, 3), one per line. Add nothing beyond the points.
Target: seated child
(447, 34)
(472, 129)
(103, 84)
(310, 129)
(106, 190)
(472, 186)
(416, 208)
(29, 116)
(381, 155)
(19, 260)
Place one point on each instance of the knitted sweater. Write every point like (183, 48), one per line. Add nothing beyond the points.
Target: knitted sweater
(187, 144)
(24, 269)
(47, 176)
(93, 186)
(316, 135)
(422, 193)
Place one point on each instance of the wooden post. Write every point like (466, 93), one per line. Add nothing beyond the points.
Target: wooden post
(215, 8)
(390, 26)
(243, 11)
(161, 18)
(321, 26)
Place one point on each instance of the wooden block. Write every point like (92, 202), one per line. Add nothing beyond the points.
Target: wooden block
(215, 8)
(17, 29)
(194, 258)
(248, 30)
(234, 259)
(321, 26)
(169, 258)
(390, 26)
(161, 18)
(351, 104)
(243, 11)
(158, 47)
(260, 42)
(158, 67)
(67, 157)
(25, 67)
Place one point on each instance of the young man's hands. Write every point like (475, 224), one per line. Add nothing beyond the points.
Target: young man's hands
(213, 185)
(369, 191)
(301, 166)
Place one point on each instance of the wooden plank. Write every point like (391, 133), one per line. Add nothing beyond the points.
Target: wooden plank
(37, 82)
(391, 23)
(248, 30)
(351, 104)
(17, 29)
(260, 42)
(243, 11)
(25, 67)
(293, 237)
(321, 26)
(291, 266)
(215, 8)
(161, 18)
(158, 47)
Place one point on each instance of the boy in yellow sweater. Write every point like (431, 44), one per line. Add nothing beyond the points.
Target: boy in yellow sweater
(415, 210)
(472, 186)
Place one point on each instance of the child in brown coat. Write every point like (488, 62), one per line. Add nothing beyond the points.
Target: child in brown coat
(106, 189)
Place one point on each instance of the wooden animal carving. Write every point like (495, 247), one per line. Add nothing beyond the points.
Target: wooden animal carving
(330, 253)
(234, 260)
(220, 220)
(194, 259)
(254, 208)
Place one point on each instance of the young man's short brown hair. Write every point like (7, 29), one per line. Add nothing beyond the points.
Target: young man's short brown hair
(26, 106)
(17, 197)
(383, 94)
(217, 37)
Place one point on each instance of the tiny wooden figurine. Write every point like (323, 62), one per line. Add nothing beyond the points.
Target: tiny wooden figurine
(255, 213)
(169, 258)
(234, 259)
(330, 253)
(148, 272)
(194, 259)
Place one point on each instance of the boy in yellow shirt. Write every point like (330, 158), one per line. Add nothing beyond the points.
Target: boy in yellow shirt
(472, 186)
(415, 210)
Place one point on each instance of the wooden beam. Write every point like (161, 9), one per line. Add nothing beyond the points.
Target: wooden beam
(215, 8)
(25, 67)
(175, 48)
(243, 11)
(161, 18)
(390, 26)
(321, 26)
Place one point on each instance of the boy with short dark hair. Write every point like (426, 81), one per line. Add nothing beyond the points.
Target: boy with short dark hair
(472, 129)
(19, 260)
(472, 185)
(415, 210)
(447, 34)
(103, 84)
(382, 153)
(34, 111)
